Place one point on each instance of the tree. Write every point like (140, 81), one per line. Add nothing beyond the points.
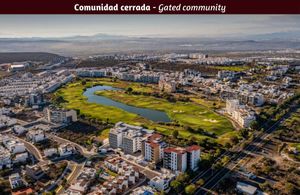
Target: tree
(200, 182)
(83, 82)
(175, 185)
(129, 89)
(244, 133)
(234, 139)
(182, 178)
(190, 189)
(175, 133)
(254, 125)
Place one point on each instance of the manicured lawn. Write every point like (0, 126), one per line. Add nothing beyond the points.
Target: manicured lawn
(183, 113)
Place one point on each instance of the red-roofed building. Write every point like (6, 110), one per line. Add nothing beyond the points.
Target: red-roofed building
(25, 191)
(175, 159)
(193, 157)
(152, 148)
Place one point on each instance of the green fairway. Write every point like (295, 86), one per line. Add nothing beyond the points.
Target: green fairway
(183, 114)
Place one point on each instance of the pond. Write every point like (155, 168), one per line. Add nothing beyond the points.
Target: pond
(153, 115)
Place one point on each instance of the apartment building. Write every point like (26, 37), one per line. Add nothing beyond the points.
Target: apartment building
(131, 142)
(193, 157)
(167, 85)
(128, 137)
(56, 115)
(240, 113)
(152, 148)
(175, 159)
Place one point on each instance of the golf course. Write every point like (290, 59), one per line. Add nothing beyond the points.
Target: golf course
(191, 118)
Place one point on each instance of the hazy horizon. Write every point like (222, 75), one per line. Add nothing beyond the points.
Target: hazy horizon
(22, 26)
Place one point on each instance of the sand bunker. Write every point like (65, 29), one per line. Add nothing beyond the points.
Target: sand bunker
(211, 120)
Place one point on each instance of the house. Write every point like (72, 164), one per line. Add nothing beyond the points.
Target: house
(22, 157)
(245, 188)
(83, 181)
(16, 181)
(50, 152)
(19, 130)
(65, 149)
(162, 182)
(35, 171)
(36, 136)
(15, 147)
(5, 158)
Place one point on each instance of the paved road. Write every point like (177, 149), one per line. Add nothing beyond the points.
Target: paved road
(31, 148)
(76, 170)
(236, 158)
(80, 148)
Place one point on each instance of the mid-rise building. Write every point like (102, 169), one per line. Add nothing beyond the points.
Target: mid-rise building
(167, 85)
(56, 115)
(175, 159)
(240, 113)
(193, 157)
(128, 137)
(152, 148)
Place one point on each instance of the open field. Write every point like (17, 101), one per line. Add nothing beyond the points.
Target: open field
(185, 115)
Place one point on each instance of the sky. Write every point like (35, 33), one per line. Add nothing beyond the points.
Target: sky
(145, 25)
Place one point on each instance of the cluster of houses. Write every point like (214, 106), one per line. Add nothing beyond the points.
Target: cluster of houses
(6, 121)
(29, 88)
(82, 182)
(11, 151)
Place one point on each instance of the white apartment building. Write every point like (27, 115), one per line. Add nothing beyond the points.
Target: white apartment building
(167, 85)
(36, 135)
(128, 137)
(56, 115)
(239, 113)
(193, 157)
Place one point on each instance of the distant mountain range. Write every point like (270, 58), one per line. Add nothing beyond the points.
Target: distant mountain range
(288, 36)
(105, 43)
